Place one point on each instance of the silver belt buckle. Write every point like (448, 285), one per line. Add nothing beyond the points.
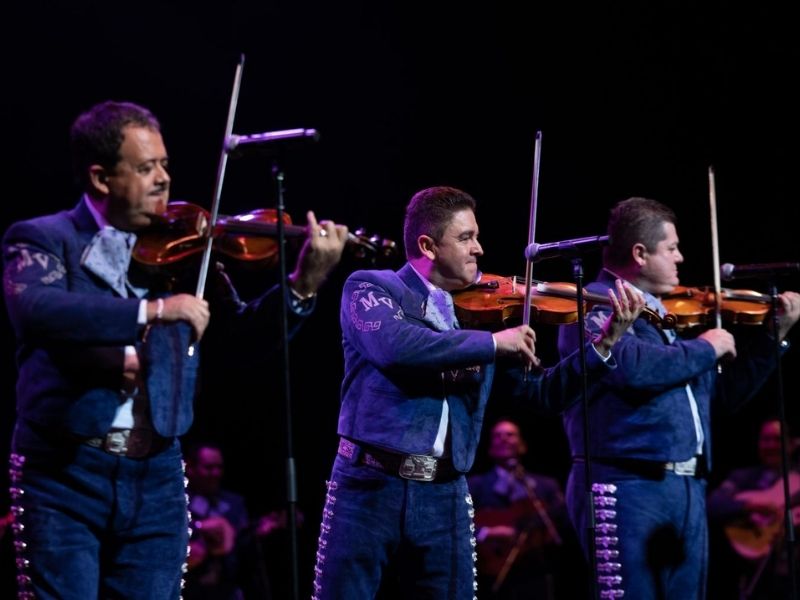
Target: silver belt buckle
(687, 467)
(116, 442)
(418, 467)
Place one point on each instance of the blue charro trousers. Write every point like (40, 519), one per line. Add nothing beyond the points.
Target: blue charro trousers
(95, 525)
(371, 519)
(661, 531)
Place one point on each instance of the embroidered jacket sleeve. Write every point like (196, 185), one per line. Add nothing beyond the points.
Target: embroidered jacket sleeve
(378, 328)
(374, 322)
(50, 299)
(644, 361)
(647, 364)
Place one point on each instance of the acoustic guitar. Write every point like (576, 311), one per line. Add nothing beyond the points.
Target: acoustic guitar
(755, 536)
(531, 535)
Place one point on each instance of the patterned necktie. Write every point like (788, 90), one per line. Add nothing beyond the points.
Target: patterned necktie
(440, 311)
(108, 256)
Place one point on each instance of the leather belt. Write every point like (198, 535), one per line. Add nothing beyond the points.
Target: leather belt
(694, 467)
(687, 467)
(131, 443)
(416, 467)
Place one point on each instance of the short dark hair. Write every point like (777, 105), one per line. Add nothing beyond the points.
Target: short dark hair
(635, 221)
(97, 134)
(429, 212)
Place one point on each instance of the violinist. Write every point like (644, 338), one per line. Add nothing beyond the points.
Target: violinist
(97, 480)
(413, 398)
(649, 418)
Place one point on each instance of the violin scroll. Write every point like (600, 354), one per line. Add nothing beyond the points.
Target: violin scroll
(373, 245)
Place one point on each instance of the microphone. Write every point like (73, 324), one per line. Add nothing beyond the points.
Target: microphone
(758, 271)
(566, 248)
(269, 137)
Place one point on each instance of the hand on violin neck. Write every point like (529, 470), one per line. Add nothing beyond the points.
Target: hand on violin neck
(225, 293)
(518, 342)
(627, 304)
(321, 252)
(788, 312)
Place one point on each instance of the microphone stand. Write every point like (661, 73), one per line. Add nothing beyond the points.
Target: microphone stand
(291, 474)
(789, 538)
(591, 526)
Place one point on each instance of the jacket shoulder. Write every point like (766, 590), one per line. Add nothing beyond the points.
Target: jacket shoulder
(385, 278)
(53, 225)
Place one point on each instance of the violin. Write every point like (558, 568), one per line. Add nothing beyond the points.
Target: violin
(695, 306)
(183, 229)
(496, 302)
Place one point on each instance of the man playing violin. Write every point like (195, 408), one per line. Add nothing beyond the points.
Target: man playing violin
(413, 398)
(650, 435)
(106, 381)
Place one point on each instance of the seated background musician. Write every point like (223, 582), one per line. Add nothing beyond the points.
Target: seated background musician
(232, 557)
(747, 510)
(524, 537)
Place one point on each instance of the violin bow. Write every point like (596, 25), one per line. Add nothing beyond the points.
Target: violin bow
(712, 198)
(223, 161)
(537, 156)
(526, 304)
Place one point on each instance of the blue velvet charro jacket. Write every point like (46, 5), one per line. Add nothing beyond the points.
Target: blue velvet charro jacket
(399, 369)
(640, 410)
(71, 329)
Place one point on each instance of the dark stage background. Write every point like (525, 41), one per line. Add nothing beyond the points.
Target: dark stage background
(631, 99)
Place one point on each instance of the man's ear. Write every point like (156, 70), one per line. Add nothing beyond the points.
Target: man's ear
(639, 253)
(99, 178)
(427, 246)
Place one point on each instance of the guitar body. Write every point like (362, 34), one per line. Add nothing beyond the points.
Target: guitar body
(492, 553)
(753, 538)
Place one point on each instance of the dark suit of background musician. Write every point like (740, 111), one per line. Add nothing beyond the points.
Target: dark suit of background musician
(746, 517)
(526, 546)
(225, 562)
